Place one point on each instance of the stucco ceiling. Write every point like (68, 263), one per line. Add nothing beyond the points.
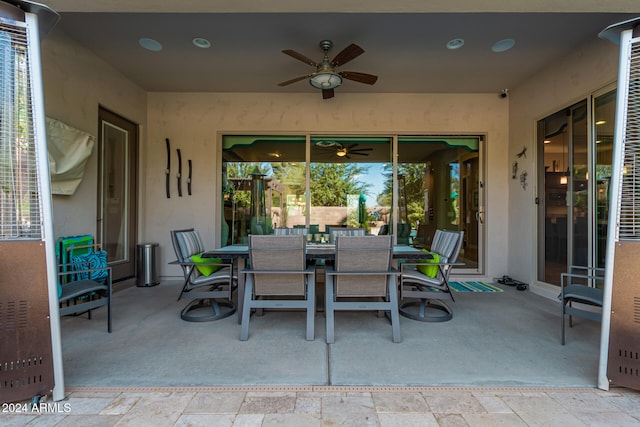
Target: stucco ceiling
(405, 50)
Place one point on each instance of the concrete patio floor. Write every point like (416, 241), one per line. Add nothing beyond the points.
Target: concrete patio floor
(511, 338)
(498, 362)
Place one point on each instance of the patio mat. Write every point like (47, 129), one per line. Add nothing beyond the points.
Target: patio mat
(473, 287)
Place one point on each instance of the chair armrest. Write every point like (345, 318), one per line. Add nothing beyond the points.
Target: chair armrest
(452, 264)
(586, 268)
(567, 286)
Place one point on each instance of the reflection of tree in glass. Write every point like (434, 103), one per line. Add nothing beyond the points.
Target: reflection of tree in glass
(244, 170)
(332, 182)
(291, 176)
(413, 176)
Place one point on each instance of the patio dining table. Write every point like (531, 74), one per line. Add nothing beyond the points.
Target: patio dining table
(240, 253)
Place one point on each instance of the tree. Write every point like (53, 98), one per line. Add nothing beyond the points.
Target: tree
(332, 182)
(413, 174)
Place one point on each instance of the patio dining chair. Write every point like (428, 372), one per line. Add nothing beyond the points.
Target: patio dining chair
(425, 285)
(342, 231)
(283, 231)
(209, 282)
(278, 277)
(362, 278)
(582, 286)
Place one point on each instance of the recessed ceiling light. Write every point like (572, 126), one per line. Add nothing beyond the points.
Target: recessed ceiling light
(601, 122)
(547, 141)
(201, 43)
(455, 44)
(502, 45)
(150, 44)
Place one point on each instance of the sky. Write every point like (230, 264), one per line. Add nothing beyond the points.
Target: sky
(375, 177)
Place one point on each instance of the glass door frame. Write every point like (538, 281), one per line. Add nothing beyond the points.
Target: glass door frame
(394, 140)
(591, 255)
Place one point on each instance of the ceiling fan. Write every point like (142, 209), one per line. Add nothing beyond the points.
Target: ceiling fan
(326, 77)
(343, 150)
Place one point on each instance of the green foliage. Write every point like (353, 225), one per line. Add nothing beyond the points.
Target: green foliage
(332, 182)
(413, 174)
(244, 170)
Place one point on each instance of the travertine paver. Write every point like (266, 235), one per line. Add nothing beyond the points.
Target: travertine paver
(400, 402)
(205, 420)
(120, 405)
(494, 420)
(292, 420)
(248, 420)
(306, 404)
(451, 420)
(390, 419)
(355, 409)
(341, 406)
(215, 403)
(156, 409)
(268, 404)
(447, 402)
(494, 404)
(536, 410)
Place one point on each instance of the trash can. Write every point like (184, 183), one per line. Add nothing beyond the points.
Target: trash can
(147, 272)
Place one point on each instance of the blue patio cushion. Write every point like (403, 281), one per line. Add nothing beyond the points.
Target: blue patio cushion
(90, 261)
(204, 264)
(429, 270)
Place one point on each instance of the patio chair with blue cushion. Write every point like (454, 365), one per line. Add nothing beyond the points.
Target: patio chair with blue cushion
(582, 286)
(425, 285)
(84, 284)
(278, 277)
(207, 281)
(362, 279)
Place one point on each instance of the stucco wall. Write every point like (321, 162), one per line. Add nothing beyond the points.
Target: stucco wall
(76, 83)
(569, 80)
(194, 121)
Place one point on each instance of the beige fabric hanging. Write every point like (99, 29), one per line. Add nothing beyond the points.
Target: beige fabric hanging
(69, 150)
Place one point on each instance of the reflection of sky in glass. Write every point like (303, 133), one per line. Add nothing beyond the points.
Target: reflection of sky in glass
(375, 178)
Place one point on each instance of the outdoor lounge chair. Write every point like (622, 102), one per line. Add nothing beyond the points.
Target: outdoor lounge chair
(582, 286)
(209, 282)
(362, 278)
(429, 282)
(278, 277)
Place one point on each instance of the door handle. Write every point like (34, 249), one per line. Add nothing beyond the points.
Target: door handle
(480, 217)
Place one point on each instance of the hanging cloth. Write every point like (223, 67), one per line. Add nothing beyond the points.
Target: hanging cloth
(69, 150)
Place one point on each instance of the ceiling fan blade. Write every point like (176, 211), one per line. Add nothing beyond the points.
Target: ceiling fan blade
(360, 149)
(297, 79)
(347, 54)
(300, 57)
(365, 78)
(327, 93)
(358, 153)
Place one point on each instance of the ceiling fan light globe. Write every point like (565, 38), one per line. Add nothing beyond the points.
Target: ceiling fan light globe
(325, 80)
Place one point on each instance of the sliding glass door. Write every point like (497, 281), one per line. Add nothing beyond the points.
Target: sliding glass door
(325, 181)
(575, 150)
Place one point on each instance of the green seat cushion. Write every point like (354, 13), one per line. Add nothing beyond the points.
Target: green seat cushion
(429, 270)
(204, 265)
